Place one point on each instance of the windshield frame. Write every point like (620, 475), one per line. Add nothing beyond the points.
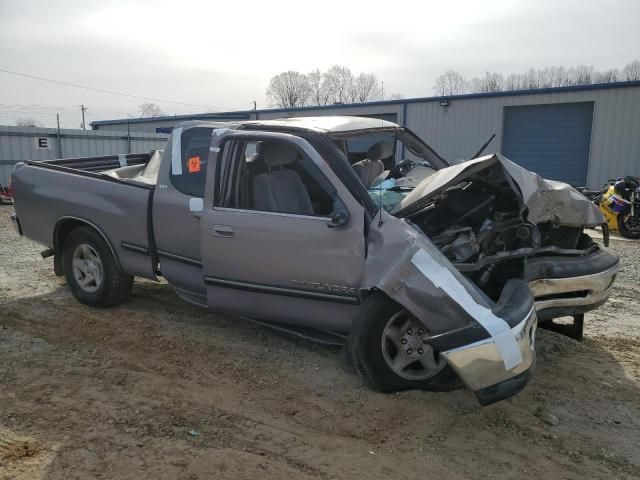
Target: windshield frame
(411, 141)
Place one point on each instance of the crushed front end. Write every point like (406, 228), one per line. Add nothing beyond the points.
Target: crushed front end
(499, 249)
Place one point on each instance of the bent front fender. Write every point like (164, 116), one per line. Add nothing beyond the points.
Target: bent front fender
(403, 263)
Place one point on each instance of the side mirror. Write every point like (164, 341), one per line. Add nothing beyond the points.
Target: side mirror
(338, 219)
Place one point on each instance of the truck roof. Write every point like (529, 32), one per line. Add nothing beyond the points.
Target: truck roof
(324, 124)
(327, 124)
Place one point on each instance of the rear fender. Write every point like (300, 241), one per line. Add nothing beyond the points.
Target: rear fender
(64, 226)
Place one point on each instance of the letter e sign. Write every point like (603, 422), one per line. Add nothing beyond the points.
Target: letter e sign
(193, 164)
(42, 143)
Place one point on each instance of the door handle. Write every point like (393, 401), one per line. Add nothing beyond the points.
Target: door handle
(224, 231)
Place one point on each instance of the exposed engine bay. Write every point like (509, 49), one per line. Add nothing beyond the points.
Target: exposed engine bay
(481, 223)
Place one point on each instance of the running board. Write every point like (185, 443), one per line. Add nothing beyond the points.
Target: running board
(323, 337)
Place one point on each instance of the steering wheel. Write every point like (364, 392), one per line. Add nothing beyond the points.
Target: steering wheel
(401, 169)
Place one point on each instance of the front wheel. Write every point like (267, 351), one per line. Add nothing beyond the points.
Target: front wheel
(388, 350)
(91, 270)
(627, 230)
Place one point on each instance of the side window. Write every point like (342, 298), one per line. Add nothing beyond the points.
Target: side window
(273, 176)
(194, 156)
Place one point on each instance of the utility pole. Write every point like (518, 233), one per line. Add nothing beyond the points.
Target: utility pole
(84, 109)
(255, 105)
(59, 137)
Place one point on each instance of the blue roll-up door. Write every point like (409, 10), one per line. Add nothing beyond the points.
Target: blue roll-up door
(551, 140)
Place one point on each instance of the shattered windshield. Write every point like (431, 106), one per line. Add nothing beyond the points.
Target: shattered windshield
(389, 162)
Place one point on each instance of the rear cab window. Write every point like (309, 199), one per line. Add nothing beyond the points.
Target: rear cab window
(194, 157)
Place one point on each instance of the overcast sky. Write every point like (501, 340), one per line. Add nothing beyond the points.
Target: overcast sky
(221, 55)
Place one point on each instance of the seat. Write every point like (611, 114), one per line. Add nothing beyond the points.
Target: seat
(149, 173)
(140, 173)
(280, 189)
(371, 168)
(258, 155)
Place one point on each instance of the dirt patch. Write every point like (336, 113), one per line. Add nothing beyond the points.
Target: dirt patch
(159, 389)
(13, 447)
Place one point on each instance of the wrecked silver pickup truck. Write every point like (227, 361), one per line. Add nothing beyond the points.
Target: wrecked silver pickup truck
(281, 221)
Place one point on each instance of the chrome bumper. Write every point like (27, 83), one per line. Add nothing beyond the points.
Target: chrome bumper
(573, 293)
(481, 368)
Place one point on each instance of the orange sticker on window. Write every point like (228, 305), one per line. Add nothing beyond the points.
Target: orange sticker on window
(194, 164)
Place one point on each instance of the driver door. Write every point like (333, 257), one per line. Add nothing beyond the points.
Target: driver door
(302, 269)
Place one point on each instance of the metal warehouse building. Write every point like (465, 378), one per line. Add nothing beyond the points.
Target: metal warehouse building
(582, 135)
(29, 143)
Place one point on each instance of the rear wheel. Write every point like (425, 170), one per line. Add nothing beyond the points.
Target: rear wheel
(92, 273)
(388, 350)
(625, 227)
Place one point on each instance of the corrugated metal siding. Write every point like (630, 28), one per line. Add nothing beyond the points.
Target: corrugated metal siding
(458, 130)
(5, 172)
(19, 143)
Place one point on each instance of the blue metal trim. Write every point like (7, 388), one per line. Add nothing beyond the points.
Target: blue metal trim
(245, 114)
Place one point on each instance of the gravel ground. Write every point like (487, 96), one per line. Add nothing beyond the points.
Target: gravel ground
(158, 389)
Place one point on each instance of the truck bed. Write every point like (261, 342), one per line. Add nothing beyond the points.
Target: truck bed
(136, 167)
(106, 192)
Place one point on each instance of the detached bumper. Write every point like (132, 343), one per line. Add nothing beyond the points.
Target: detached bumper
(481, 367)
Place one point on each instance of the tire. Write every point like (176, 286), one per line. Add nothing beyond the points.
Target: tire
(372, 361)
(95, 279)
(626, 232)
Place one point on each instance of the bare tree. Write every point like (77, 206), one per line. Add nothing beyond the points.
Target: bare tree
(512, 82)
(150, 110)
(581, 75)
(289, 90)
(559, 76)
(631, 71)
(336, 85)
(27, 122)
(608, 76)
(530, 79)
(319, 94)
(491, 82)
(339, 81)
(545, 78)
(538, 78)
(449, 83)
(365, 88)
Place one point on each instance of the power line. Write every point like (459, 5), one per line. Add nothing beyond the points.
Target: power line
(8, 111)
(35, 107)
(67, 84)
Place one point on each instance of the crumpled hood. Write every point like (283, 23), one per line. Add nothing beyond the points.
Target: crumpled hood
(546, 200)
